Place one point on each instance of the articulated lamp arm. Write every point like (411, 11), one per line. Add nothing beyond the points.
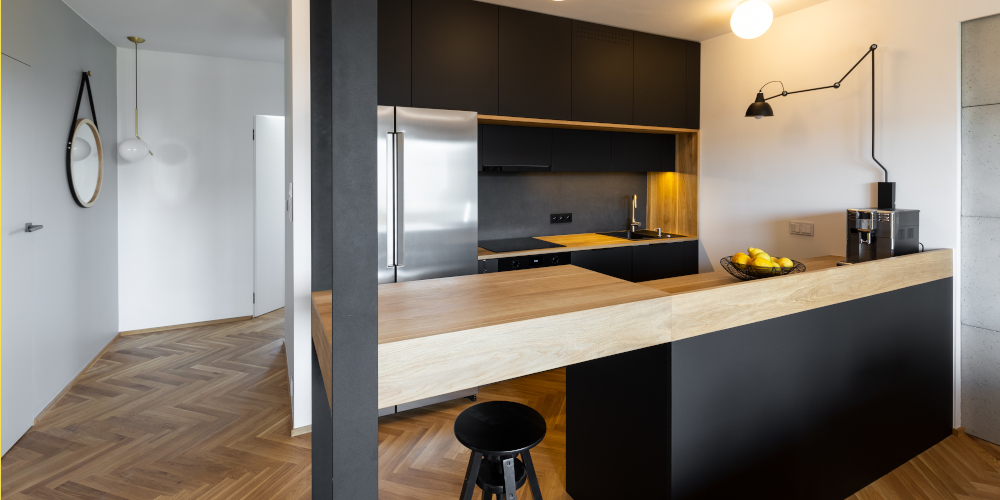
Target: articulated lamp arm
(760, 108)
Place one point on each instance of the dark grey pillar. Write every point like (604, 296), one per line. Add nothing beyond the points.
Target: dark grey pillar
(344, 209)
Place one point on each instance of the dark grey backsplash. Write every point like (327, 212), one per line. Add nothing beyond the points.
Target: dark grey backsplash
(518, 204)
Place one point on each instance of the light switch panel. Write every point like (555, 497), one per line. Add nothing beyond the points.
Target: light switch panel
(802, 228)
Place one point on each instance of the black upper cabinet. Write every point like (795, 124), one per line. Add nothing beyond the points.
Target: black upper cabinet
(516, 148)
(455, 55)
(394, 53)
(632, 152)
(693, 97)
(661, 85)
(581, 150)
(602, 73)
(614, 262)
(535, 65)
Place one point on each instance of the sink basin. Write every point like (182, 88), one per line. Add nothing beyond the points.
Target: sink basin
(644, 234)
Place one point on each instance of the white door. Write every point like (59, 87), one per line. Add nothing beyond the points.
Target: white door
(269, 212)
(18, 256)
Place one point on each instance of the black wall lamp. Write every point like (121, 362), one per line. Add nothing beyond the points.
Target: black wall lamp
(760, 108)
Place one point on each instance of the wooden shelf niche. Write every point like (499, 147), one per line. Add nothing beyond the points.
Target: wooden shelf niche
(672, 196)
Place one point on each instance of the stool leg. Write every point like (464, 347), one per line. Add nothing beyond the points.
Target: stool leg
(471, 474)
(509, 480)
(536, 492)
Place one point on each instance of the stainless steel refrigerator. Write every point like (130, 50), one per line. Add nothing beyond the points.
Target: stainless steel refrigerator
(428, 197)
(428, 202)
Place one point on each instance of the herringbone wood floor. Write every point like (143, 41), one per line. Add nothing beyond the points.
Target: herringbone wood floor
(203, 413)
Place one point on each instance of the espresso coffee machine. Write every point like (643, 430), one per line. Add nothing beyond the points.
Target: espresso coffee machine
(874, 233)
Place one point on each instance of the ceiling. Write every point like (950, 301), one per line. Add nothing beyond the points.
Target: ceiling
(254, 29)
(243, 29)
(696, 20)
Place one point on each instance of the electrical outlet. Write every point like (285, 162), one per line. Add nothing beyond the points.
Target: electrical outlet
(802, 228)
(560, 218)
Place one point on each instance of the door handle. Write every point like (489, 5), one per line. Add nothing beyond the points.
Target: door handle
(30, 228)
(400, 215)
(390, 200)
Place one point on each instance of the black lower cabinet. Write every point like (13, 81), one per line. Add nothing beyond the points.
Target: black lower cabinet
(664, 260)
(615, 262)
(642, 262)
(813, 405)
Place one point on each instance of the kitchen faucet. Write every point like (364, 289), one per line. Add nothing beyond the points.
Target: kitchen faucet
(634, 223)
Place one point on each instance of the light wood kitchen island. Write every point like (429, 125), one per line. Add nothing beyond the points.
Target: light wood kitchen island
(830, 363)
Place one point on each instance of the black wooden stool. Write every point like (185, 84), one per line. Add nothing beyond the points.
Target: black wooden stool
(497, 432)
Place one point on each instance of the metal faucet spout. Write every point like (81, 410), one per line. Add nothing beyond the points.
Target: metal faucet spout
(633, 224)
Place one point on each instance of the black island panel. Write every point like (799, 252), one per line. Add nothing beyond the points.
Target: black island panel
(814, 405)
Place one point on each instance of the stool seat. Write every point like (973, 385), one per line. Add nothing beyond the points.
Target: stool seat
(500, 428)
(497, 432)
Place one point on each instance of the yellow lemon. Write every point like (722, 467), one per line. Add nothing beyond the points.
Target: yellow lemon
(762, 254)
(786, 262)
(752, 250)
(741, 260)
(761, 262)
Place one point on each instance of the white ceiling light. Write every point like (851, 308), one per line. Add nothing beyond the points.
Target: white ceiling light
(133, 150)
(751, 19)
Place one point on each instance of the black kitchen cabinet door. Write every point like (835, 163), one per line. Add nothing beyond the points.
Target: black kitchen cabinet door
(661, 81)
(614, 262)
(581, 150)
(602, 73)
(633, 152)
(394, 53)
(535, 65)
(455, 55)
(664, 260)
(510, 147)
(693, 85)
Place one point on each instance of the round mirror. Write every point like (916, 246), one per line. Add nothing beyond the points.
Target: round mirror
(86, 163)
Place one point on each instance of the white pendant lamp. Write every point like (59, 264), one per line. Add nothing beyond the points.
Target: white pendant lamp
(751, 19)
(133, 150)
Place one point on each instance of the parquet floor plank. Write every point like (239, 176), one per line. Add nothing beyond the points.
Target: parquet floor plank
(203, 413)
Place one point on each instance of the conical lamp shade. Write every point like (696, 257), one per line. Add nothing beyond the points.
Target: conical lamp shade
(133, 150)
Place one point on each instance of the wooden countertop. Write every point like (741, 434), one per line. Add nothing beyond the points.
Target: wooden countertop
(444, 335)
(585, 241)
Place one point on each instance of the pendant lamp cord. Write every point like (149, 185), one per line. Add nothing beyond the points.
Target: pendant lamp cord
(137, 94)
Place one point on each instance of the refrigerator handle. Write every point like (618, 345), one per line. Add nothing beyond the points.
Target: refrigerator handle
(390, 200)
(400, 209)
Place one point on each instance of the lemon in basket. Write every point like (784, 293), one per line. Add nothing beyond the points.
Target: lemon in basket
(786, 262)
(741, 260)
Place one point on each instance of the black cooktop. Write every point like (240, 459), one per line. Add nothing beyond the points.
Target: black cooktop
(517, 245)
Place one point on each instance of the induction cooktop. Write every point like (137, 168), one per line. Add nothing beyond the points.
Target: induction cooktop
(517, 245)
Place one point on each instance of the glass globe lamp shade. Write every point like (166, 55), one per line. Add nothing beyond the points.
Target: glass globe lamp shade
(751, 19)
(81, 150)
(133, 150)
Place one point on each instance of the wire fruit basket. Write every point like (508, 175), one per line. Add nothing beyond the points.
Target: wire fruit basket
(755, 273)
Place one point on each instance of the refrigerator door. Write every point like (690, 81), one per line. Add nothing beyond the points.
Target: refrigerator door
(386, 128)
(437, 164)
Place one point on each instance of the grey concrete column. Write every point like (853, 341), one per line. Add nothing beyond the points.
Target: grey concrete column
(981, 228)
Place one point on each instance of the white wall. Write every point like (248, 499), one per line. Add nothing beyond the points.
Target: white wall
(186, 224)
(60, 284)
(811, 161)
(298, 239)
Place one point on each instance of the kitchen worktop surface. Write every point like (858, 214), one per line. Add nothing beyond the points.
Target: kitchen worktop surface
(440, 336)
(585, 241)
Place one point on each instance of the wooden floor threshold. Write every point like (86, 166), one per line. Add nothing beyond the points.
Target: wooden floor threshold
(185, 325)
